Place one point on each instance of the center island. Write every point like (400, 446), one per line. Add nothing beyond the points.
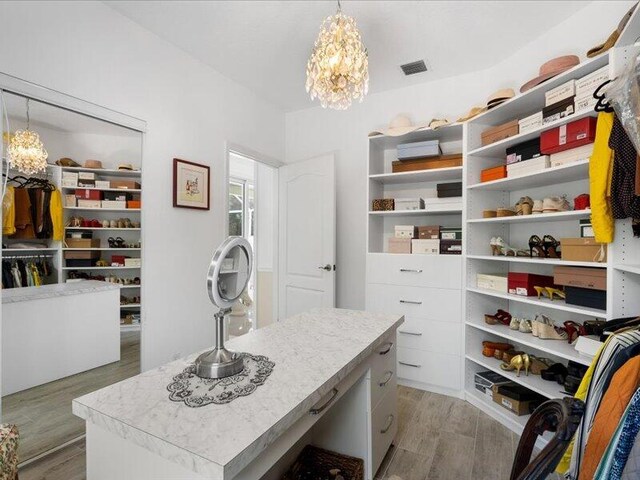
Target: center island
(333, 385)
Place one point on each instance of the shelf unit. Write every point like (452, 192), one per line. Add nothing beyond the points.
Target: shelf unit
(130, 235)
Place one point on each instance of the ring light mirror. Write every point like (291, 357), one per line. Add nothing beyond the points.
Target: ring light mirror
(227, 278)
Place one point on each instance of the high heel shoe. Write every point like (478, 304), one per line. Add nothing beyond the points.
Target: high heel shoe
(525, 326)
(555, 291)
(535, 244)
(542, 292)
(524, 206)
(551, 247)
(517, 363)
(574, 330)
(507, 250)
(495, 250)
(514, 324)
(500, 317)
(546, 329)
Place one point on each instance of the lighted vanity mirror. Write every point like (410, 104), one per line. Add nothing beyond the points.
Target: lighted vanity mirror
(228, 276)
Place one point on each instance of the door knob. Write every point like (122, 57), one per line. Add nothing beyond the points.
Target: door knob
(327, 267)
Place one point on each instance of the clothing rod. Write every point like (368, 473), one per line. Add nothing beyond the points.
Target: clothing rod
(33, 256)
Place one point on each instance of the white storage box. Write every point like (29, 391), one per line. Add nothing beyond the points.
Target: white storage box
(103, 184)
(407, 151)
(88, 203)
(445, 203)
(560, 93)
(585, 102)
(589, 83)
(86, 176)
(425, 246)
(132, 262)
(528, 167)
(69, 179)
(492, 281)
(70, 201)
(530, 123)
(569, 156)
(405, 231)
(588, 346)
(408, 204)
(114, 204)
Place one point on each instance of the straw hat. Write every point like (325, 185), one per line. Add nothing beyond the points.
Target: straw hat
(613, 38)
(67, 162)
(125, 166)
(550, 69)
(500, 96)
(437, 123)
(400, 125)
(92, 164)
(472, 113)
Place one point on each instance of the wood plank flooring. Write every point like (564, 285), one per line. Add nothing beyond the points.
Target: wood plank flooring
(43, 413)
(438, 437)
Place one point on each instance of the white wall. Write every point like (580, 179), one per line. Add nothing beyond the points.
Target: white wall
(87, 50)
(314, 131)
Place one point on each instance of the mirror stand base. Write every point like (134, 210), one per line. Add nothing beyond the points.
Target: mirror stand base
(219, 363)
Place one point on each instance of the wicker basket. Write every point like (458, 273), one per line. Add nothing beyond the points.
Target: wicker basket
(383, 204)
(314, 463)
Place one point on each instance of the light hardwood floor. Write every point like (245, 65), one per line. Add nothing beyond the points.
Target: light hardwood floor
(43, 413)
(438, 437)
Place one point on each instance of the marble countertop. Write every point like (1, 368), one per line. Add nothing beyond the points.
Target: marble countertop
(312, 352)
(25, 294)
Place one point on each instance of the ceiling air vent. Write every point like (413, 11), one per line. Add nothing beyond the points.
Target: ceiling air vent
(414, 67)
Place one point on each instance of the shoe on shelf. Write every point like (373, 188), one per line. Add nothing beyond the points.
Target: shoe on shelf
(501, 317)
(525, 326)
(546, 329)
(536, 245)
(495, 250)
(507, 250)
(574, 330)
(518, 363)
(551, 245)
(555, 204)
(524, 206)
(540, 364)
(553, 292)
(505, 212)
(537, 206)
(514, 324)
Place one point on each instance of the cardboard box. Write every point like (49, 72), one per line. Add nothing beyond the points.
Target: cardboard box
(69, 179)
(112, 204)
(573, 155)
(451, 233)
(429, 232)
(561, 92)
(589, 83)
(565, 137)
(583, 277)
(118, 196)
(86, 176)
(519, 407)
(399, 245)
(134, 204)
(493, 173)
(451, 247)
(103, 184)
(484, 382)
(522, 283)
(492, 281)
(428, 163)
(529, 167)
(500, 132)
(530, 123)
(88, 203)
(409, 151)
(559, 110)
(82, 254)
(447, 190)
(585, 102)
(118, 260)
(79, 262)
(408, 204)
(70, 201)
(523, 151)
(588, 345)
(586, 229)
(87, 194)
(86, 183)
(82, 242)
(130, 184)
(425, 247)
(405, 231)
(583, 250)
(132, 262)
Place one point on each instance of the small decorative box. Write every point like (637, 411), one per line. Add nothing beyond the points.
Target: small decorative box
(425, 247)
(406, 231)
(451, 233)
(382, 204)
(399, 245)
(451, 247)
(492, 281)
(429, 232)
(560, 93)
(409, 204)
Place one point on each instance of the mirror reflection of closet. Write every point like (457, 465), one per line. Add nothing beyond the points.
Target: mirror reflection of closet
(37, 259)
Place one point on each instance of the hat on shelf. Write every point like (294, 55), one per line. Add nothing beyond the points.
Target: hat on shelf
(67, 162)
(400, 125)
(472, 113)
(436, 123)
(125, 166)
(500, 96)
(550, 69)
(92, 164)
(613, 38)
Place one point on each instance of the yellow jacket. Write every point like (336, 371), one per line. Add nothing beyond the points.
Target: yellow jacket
(55, 210)
(9, 212)
(600, 171)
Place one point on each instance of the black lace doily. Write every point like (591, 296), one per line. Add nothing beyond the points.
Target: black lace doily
(196, 392)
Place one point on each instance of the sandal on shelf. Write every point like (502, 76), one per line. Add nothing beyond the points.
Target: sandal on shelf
(551, 247)
(540, 364)
(574, 330)
(507, 250)
(112, 242)
(518, 363)
(536, 245)
(514, 324)
(555, 373)
(500, 317)
(489, 348)
(552, 292)
(546, 329)
(524, 206)
(525, 326)
(505, 212)
(509, 354)
(119, 241)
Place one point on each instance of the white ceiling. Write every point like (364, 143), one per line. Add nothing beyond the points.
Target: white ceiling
(265, 45)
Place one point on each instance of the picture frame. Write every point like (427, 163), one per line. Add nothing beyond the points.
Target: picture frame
(191, 185)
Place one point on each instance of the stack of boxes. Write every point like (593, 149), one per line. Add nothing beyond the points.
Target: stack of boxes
(89, 194)
(426, 240)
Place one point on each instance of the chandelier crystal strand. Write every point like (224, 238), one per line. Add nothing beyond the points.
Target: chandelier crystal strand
(338, 69)
(26, 152)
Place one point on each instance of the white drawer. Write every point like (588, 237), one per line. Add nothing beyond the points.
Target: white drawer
(384, 426)
(435, 336)
(439, 369)
(431, 303)
(442, 271)
(384, 358)
(383, 383)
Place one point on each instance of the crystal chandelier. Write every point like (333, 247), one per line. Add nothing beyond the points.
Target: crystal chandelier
(26, 152)
(338, 69)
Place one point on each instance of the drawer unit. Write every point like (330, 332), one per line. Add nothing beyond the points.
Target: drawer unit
(382, 375)
(431, 368)
(430, 303)
(384, 426)
(440, 271)
(383, 384)
(434, 336)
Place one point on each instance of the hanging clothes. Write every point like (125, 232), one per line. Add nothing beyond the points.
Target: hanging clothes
(613, 461)
(56, 214)
(631, 469)
(24, 219)
(624, 202)
(9, 212)
(600, 172)
(623, 385)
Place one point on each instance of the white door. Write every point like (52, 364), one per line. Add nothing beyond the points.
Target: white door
(307, 235)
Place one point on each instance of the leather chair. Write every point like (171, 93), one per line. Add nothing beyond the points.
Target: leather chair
(559, 416)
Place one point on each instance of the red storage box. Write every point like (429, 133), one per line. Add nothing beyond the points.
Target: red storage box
(118, 260)
(87, 194)
(522, 283)
(565, 137)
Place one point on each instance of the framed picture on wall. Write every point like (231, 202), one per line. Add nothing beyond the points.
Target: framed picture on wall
(190, 185)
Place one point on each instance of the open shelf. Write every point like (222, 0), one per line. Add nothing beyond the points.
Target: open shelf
(532, 382)
(130, 305)
(628, 268)
(536, 217)
(125, 190)
(104, 209)
(104, 171)
(559, 348)
(129, 286)
(16, 251)
(437, 174)
(398, 213)
(448, 133)
(566, 173)
(134, 327)
(133, 229)
(482, 402)
(538, 261)
(109, 249)
(543, 302)
(100, 268)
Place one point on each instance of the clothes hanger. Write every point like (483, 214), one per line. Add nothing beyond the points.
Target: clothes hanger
(602, 104)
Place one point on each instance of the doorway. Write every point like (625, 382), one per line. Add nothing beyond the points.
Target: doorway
(252, 213)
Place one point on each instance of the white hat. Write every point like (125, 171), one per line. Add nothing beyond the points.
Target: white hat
(400, 125)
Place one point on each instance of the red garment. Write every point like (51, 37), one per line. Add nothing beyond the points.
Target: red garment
(24, 222)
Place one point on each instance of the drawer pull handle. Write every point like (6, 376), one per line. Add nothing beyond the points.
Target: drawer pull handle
(390, 420)
(409, 364)
(316, 411)
(409, 270)
(415, 334)
(389, 347)
(411, 302)
(389, 375)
